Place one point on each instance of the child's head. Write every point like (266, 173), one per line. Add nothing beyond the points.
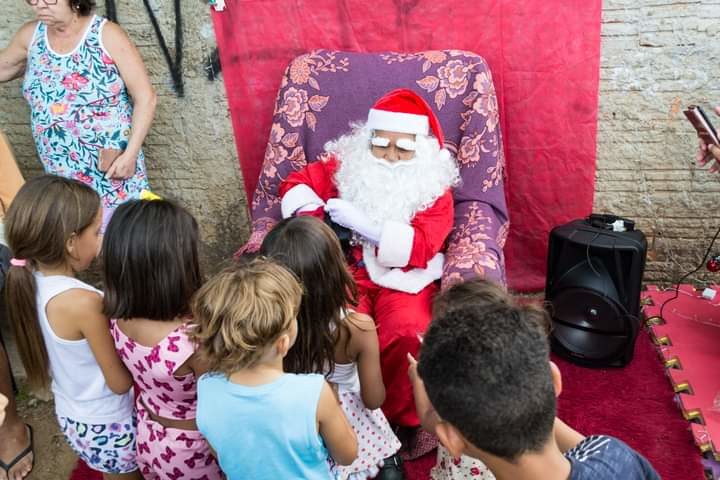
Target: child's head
(53, 223)
(246, 314)
(463, 294)
(311, 250)
(151, 267)
(479, 293)
(486, 369)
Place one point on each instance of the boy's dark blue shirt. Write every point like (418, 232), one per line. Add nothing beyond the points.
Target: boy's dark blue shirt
(600, 457)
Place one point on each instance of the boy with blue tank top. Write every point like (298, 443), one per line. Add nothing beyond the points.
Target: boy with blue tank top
(263, 423)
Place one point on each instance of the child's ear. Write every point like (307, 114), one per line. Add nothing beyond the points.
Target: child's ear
(556, 377)
(283, 344)
(451, 438)
(70, 245)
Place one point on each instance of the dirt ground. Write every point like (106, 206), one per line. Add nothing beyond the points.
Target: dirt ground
(54, 460)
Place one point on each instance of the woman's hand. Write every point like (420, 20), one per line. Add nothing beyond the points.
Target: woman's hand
(123, 166)
(709, 153)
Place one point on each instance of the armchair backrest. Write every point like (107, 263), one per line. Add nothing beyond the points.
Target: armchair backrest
(323, 91)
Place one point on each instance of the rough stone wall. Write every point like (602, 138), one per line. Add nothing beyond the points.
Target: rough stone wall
(190, 149)
(657, 57)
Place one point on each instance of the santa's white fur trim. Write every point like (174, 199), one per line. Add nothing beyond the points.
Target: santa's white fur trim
(411, 281)
(395, 247)
(398, 122)
(297, 197)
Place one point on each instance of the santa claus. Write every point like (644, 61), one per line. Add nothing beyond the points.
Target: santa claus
(389, 181)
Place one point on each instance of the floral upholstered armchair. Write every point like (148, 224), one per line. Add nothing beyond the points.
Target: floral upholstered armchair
(323, 91)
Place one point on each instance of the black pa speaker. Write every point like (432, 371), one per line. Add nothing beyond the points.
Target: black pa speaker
(592, 290)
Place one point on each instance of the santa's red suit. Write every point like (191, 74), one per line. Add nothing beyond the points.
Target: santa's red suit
(396, 275)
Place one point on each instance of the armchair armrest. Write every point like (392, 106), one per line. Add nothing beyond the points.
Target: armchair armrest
(475, 246)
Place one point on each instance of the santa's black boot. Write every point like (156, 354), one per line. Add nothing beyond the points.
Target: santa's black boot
(392, 469)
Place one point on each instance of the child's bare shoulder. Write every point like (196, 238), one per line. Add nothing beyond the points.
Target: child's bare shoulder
(363, 333)
(359, 322)
(76, 301)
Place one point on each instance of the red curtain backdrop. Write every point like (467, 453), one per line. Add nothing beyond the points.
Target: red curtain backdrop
(544, 56)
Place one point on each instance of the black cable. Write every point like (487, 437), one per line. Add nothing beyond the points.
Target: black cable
(174, 66)
(679, 282)
(111, 10)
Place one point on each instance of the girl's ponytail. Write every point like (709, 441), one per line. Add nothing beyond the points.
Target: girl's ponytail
(44, 215)
(20, 292)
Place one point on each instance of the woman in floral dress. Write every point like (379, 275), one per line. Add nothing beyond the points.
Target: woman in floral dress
(80, 73)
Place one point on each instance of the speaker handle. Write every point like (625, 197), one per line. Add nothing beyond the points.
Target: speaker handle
(605, 221)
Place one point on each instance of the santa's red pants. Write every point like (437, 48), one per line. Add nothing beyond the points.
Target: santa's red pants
(400, 317)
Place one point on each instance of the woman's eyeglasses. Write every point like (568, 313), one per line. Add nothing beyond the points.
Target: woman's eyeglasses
(46, 2)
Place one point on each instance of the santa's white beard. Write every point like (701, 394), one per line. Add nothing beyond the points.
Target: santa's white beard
(387, 191)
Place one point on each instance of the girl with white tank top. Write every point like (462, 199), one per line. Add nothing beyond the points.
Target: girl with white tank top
(376, 439)
(53, 230)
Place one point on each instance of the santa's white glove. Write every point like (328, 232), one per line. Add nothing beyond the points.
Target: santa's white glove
(349, 216)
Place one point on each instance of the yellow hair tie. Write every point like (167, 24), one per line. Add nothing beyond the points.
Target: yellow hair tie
(148, 195)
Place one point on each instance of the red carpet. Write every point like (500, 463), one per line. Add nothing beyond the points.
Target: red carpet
(83, 472)
(634, 404)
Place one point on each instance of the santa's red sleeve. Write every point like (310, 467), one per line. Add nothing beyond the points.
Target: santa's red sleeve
(413, 245)
(311, 186)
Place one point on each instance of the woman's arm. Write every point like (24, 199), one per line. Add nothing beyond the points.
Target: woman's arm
(133, 72)
(86, 310)
(364, 341)
(14, 58)
(335, 429)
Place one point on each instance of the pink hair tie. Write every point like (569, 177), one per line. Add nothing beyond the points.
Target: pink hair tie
(18, 262)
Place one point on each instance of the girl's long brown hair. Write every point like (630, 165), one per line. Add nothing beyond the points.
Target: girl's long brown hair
(311, 250)
(41, 219)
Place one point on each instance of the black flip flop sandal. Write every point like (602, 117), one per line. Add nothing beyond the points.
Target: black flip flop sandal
(20, 455)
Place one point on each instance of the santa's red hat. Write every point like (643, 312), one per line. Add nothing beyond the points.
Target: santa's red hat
(404, 111)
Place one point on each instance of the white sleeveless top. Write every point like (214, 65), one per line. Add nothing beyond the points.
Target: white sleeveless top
(78, 384)
(345, 376)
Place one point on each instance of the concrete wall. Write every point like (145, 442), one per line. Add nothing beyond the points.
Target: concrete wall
(190, 149)
(657, 56)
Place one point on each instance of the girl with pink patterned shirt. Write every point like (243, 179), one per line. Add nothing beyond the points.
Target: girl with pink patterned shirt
(339, 343)
(151, 270)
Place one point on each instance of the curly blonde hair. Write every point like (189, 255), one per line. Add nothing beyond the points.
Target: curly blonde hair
(243, 310)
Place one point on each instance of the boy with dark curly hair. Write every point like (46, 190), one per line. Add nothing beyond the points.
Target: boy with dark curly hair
(500, 406)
